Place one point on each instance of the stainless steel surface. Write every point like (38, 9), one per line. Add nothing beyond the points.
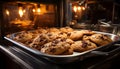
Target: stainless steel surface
(62, 58)
(24, 60)
(6, 49)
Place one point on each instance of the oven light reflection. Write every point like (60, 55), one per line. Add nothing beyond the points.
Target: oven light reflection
(75, 8)
(79, 8)
(33, 10)
(21, 11)
(83, 8)
(7, 12)
(38, 10)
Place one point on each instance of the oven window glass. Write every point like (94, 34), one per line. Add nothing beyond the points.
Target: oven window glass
(26, 16)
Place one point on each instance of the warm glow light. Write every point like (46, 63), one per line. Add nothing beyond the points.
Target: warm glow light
(75, 9)
(7, 12)
(24, 11)
(83, 8)
(33, 10)
(38, 10)
(21, 11)
(79, 8)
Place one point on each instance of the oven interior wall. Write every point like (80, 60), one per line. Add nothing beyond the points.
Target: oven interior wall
(52, 14)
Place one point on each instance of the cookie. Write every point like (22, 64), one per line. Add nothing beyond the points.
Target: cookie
(55, 48)
(81, 46)
(53, 30)
(100, 39)
(25, 37)
(68, 52)
(87, 32)
(85, 37)
(75, 35)
(66, 29)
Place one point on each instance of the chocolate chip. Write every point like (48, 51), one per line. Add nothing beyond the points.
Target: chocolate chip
(41, 40)
(84, 44)
(53, 44)
(45, 40)
(49, 34)
(56, 41)
(53, 50)
(61, 33)
(102, 38)
(64, 39)
(43, 46)
(68, 34)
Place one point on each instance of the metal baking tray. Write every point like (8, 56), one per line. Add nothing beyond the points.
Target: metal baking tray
(75, 56)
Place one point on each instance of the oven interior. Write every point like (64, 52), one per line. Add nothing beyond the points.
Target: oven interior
(28, 15)
(81, 14)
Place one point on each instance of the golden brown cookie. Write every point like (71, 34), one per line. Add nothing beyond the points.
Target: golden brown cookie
(85, 37)
(43, 38)
(75, 35)
(69, 41)
(38, 42)
(68, 52)
(66, 29)
(81, 46)
(55, 48)
(100, 39)
(25, 36)
(42, 30)
(62, 35)
(87, 32)
(53, 30)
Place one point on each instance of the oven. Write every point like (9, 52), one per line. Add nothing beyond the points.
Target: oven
(19, 16)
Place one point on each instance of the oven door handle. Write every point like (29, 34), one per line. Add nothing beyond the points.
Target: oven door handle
(107, 53)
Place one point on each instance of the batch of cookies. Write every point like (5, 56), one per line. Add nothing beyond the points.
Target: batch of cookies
(62, 41)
